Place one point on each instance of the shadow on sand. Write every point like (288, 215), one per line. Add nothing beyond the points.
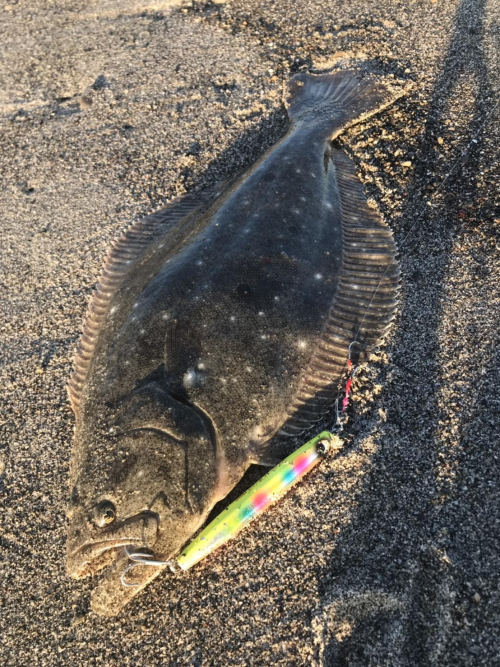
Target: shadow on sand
(395, 591)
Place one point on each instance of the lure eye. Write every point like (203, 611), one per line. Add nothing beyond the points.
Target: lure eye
(322, 447)
(105, 513)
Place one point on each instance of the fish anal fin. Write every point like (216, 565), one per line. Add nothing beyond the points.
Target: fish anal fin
(269, 453)
(264, 454)
(364, 305)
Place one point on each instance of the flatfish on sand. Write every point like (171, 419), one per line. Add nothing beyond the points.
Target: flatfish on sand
(221, 324)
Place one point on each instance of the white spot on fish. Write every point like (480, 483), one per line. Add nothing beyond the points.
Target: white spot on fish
(313, 174)
(112, 310)
(135, 304)
(296, 211)
(248, 369)
(142, 332)
(303, 199)
(328, 206)
(261, 313)
(199, 262)
(256, 432)
(263, 336)
(246, 230)
(223, 380)
(318, 276)
(201, 366)
(232, 318)
(165, 316)
(140, 473)
(276, 298)
(302, 344)
(189, 378)
(298, 171)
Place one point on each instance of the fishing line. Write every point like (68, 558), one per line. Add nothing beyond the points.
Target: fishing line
(348, 365)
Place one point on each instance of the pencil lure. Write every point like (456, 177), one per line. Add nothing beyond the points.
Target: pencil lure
(273, 486)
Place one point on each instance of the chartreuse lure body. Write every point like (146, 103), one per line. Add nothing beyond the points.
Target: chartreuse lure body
(243, 511)
(258, 498)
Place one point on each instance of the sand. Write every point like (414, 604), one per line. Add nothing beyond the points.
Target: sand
(388, 554)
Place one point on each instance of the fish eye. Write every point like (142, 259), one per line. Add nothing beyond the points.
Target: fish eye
(105, 513)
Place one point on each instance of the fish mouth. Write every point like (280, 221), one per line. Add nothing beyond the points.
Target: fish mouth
(101, 547)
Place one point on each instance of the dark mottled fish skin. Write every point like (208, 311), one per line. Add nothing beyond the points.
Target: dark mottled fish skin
(220, 322)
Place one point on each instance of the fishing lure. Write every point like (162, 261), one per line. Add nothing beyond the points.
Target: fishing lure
(273, 486)
(256, 500)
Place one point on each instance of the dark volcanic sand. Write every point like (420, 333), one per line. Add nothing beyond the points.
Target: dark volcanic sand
(387, 555)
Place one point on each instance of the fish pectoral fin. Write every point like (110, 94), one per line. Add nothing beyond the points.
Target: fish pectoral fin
(151, 407)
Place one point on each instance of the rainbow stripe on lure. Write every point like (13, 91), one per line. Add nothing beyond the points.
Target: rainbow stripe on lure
(253, 502)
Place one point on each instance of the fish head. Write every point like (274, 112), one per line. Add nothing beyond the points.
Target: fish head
(146, 483)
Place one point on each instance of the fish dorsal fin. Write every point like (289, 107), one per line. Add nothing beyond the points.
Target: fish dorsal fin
(124, 254)
(364, 305)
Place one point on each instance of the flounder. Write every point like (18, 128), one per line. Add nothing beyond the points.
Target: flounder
(220, 324)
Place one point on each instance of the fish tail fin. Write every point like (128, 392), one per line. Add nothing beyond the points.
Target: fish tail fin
(340, 99)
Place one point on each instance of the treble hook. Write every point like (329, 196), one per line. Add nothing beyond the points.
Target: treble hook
(140, 558)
